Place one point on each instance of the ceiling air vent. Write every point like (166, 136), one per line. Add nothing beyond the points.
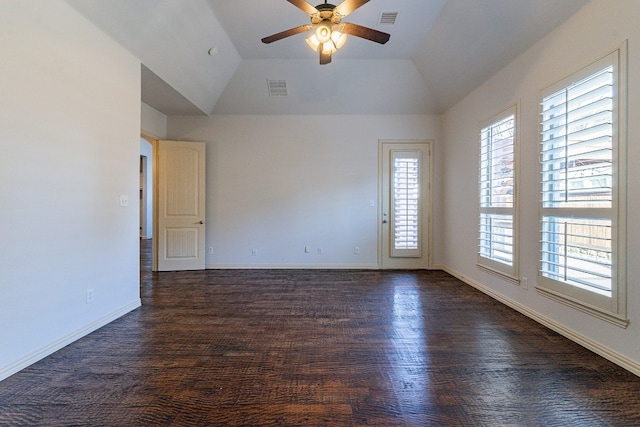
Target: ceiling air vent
(277, 87)
(388, 18)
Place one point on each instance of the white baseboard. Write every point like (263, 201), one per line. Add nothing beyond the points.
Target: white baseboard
(596, 347)
(20, 364)
(291, 266)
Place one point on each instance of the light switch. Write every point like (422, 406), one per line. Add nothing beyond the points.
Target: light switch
(124, 200)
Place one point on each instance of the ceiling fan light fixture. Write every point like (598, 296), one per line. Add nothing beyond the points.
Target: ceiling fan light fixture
(335, 42)
(323, 32)
(338, 38)
(313, 42)
(329, 48)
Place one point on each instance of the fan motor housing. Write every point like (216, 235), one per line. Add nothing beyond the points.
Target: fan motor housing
(326, 12)
(325, 6)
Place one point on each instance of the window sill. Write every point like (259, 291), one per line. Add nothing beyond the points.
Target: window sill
(598, 312)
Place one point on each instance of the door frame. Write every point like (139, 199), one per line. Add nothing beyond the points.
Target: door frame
(427, 196)
(153, 140)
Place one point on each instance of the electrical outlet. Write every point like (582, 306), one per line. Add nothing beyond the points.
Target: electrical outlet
(307, 249)
(525, 283)
(90, 296)
(356, 250)
(254, 252)
(319, 251)
(210, 249)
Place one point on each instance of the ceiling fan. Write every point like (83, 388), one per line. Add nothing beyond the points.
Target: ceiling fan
(330, 32)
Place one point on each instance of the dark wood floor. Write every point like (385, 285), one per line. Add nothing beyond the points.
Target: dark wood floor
(320, 348)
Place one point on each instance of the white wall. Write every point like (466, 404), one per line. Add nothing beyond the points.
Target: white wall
(70, 114)
(152, 122)
(278, 183)
(596, 30)
(153, 125)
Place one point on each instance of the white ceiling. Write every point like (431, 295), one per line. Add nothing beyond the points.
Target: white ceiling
(439, 51)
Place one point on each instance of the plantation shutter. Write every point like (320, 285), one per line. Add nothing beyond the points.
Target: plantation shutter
(576, 182)
(406, 203)
(497, 234)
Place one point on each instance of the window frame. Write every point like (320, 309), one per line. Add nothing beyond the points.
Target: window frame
(506, 271)
(613, 308)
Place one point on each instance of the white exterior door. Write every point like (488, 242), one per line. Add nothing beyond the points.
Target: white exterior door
(180, 205)
(404, 204)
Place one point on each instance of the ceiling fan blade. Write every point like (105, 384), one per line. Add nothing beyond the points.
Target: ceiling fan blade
(348, 6)
(287, 33)
(304, 6)
(325, 58)
(365, 32)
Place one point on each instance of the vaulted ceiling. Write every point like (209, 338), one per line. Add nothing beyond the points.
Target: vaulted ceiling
(206, 57)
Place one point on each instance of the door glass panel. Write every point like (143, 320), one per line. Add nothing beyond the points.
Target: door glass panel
(405, 203)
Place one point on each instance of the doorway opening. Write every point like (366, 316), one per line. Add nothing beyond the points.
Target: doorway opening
(146, 202)
(146, 189)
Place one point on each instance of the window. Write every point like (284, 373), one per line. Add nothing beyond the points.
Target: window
(406, 210)
(497, 231)
(582, 253)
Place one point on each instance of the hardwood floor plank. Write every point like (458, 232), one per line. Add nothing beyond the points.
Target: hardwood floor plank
(319, 348)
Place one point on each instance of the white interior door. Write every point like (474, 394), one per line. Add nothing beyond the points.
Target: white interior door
(180, 205)
(404, 204)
